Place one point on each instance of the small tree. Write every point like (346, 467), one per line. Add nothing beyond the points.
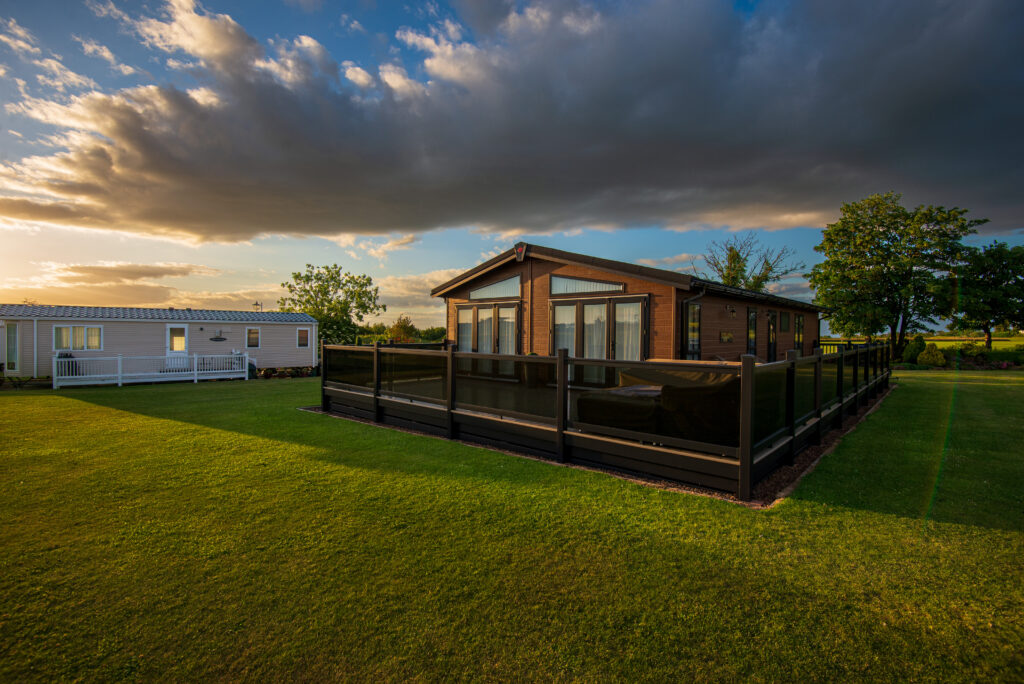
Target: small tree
(434, 334)
(885, 265)
(337, 300)
(402, 330)
(988, 290)
(741, 261)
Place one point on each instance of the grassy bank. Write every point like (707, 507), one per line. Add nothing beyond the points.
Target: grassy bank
(213, 531)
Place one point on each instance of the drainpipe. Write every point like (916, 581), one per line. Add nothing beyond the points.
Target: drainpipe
(703, 289)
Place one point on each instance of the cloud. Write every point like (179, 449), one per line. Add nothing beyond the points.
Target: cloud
(17, 37)
(93, 48)
(306, 5)
(670, 260)
(380, 251)
(60, 77)
(119, 284)
(410, 294)
(358, 75)
(351, 24)
(552, 117)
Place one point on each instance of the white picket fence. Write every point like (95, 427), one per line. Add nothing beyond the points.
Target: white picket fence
(121, 370)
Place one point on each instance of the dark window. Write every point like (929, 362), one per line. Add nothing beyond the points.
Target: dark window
(693, 331)
(303, 338)
(487, 328)
(772, 337)
(784, 321)
(798, 331)
(752, 331)
(600, 328)
(252, 338)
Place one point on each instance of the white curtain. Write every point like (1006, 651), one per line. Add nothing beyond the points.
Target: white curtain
(464, 342)
(594, 317)
(506, 330)
(485, 330)
(565, 329)
(627, 331)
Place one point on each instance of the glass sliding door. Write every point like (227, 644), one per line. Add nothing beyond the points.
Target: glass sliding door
(595, 338)
(752, 331)
(772, 338)
(506, 338)
(464, 334)
(565, 329)
(485, 337)
(628, 331)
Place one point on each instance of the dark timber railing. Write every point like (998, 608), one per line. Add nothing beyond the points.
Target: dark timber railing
(723, 425)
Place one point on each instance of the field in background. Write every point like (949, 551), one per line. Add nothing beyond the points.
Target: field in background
(212, 531)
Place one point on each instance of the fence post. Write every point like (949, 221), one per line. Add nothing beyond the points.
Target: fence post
(450, 399)
(746, 465)
(840, 381)
(119, 370)
(818, 368)
(195, 368)
(376, 381)
(325, 401)
(856, 383)
(561, 400)
(791, 357)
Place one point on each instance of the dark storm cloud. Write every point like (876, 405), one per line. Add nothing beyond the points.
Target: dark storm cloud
(557, 116)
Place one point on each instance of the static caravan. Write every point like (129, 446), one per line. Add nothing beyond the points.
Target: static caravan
(37, 339)
(533, 299)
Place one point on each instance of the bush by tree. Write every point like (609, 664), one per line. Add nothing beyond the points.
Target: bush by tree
(914, 349)
(931, 356)
(434, 334)
(741, 261)
(885, 266)
(337, 299)
(402, 330)
(988, 290)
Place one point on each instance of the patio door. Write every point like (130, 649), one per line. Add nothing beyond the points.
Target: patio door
(11, 365)
(772, 337)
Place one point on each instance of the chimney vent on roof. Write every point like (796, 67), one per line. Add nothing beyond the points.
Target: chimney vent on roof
(170, 308)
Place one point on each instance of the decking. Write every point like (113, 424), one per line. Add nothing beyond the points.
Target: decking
(121, 370)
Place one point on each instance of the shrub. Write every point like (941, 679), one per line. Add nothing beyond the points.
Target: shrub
(912, 350)
(931, 356)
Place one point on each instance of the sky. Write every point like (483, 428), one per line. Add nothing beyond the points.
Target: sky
(196, 154)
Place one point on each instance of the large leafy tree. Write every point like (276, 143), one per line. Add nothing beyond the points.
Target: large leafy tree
(988, 290)
(337, 299)
(885, 266)
(741, 261)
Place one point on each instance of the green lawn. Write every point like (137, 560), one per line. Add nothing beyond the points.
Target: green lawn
(211, 531)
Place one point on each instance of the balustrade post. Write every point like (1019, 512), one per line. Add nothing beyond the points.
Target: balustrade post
(746, 455)
(791, 357)
(818, 367)
(195, 368)
(376, 381)
(561, 400)
(449, 404)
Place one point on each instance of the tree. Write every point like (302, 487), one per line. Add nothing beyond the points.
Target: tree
(730, 262)
(337, 300)
(434, 334)
(885, 266)
(402, 330)
(988, 290)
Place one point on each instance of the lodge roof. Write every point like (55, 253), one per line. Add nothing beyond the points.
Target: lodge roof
(683, 281)
(120, 313)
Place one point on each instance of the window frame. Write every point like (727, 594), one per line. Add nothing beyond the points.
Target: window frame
(259, 337)
(594, 293)
(501, 298)
(798, 332)
(71, 338)
(609, 336)
(688, 351)
(167, 338)
(297, 331)
(494, 305)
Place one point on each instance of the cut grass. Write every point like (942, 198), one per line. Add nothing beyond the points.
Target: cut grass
(213, 531)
